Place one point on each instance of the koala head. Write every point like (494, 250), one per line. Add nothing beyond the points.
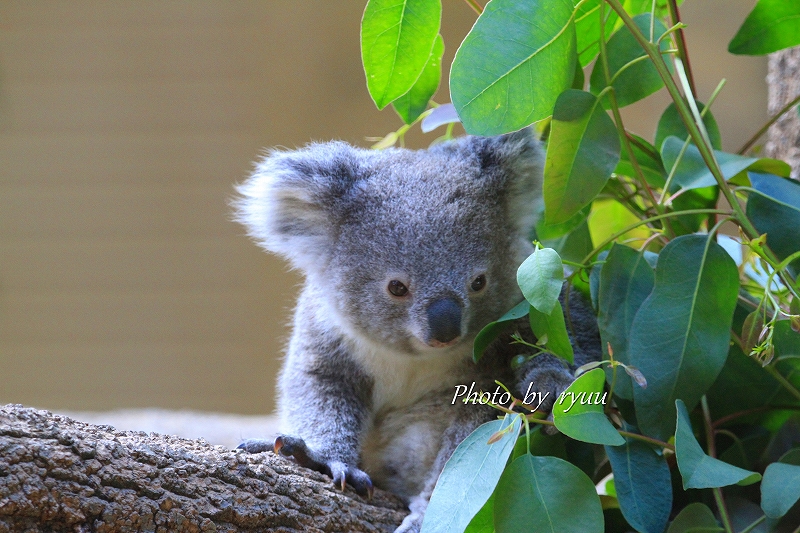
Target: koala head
(415, 250)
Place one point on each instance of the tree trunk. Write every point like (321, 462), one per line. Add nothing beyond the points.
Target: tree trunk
(783, 140)
(57, 474)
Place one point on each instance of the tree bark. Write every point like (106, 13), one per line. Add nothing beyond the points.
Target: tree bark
(57, 474)
(783, 140)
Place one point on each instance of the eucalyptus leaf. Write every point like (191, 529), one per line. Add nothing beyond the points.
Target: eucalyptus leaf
(493, 329)
(631, 81)
(775, 210)
(582, 152)
(780, 489)
(643, 485)
(695, 518)
(470, 476)
(626, 280)
(578, 411)
(648, 160)
(772, 25)
(698, 470)
(692, 172)
(553, 328)
(397, 37)
(411, 105)
(587, 29)
(680, 335)
(547, 495)
(513, 64)
(483, 521)
(540, 277)
(671, 124)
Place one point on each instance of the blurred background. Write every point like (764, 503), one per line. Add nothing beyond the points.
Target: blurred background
(123, 128)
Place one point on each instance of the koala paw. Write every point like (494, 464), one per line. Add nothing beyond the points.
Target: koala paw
(546, 383)
(341, 472)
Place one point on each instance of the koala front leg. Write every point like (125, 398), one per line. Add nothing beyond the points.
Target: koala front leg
(324, 405)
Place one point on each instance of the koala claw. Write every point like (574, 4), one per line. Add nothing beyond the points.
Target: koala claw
(358, 479)
(254, 445)
(342, 473)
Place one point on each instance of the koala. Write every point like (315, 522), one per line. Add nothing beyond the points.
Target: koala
(406, 256)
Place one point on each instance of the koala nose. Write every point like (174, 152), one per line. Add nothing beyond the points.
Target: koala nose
(444, 320)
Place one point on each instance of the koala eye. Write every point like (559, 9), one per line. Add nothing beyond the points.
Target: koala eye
(478, 283)
(397, 288)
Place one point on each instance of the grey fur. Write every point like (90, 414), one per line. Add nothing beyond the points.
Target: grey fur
(367, 385)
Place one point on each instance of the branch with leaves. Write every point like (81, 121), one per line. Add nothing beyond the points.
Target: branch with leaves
(709, 321)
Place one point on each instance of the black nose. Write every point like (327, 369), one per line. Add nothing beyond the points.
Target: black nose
(444, 319)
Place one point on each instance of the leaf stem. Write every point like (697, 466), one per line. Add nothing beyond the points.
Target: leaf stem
(754, 525)
(733, 416)
(623, 135)
(785, 383)
(476, 7)
(773, 119)
(618, 234)
(686, 115)
(680, 40)
(712, 452)
(649, 440)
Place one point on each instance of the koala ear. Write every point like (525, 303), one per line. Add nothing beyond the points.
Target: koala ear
(288, 203)
(517, 160)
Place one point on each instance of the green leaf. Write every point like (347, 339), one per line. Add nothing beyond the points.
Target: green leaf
(547, 495)
(512, 66)
(540, 277)
(775, 210)
(575, 245)
(698, 470)
(671, 124)
(626, 280)
(587, 29)
(578, 411)
(743, 384)
(772, 25)
(549, 232)
(397, 37)
(643, 485)
(582, 151)
(703, 198)
(470, 476)
(695, 518)
(553, 328)
(631, 81)
(780, 489)
(692, 172)
(483, 521)
(680, 335)
(411, 105)
(491, 330)
(751, 330)
(542, 444)
(649, 161)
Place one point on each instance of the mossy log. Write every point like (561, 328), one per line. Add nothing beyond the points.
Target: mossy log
(57, 474)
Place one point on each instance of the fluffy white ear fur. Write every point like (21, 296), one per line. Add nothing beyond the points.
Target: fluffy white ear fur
(286, 203)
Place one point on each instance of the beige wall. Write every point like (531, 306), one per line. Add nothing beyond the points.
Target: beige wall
(123, 126)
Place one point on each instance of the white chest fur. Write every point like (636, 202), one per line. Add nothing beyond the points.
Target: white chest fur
(401, 379)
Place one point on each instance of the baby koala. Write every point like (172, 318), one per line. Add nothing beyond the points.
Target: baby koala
(406, 256)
